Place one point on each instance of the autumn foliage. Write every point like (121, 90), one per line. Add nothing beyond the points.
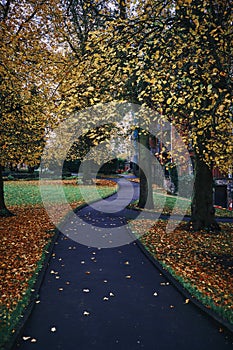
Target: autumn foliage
(25, 240)
(174, 57)
(200, 262)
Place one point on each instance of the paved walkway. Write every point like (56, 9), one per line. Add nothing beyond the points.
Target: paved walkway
(112, 298)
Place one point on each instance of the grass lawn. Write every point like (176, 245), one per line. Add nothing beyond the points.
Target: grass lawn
(25, 239)
(166, 203)
(21, 193)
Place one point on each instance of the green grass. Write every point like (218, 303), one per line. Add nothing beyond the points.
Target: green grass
(21, 193)
(167, 203)
(25, 193)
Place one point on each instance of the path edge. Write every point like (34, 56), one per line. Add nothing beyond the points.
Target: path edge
(212, 314)
(11, 343)
(34, 295)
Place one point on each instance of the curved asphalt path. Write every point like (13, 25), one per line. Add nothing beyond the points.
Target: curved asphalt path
(115, 298)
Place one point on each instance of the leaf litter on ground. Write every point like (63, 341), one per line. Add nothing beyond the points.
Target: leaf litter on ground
(202, 262)
(25, 238)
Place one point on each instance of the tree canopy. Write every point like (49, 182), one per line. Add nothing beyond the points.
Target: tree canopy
(174, 57)
(27, 76)
(29, 55)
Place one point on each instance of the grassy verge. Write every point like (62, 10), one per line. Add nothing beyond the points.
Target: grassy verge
(201, 262)
(181, 205)
(167, 204)
(25, 239)
(17, 296)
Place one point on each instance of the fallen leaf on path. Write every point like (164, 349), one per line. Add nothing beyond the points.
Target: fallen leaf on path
(26, 338)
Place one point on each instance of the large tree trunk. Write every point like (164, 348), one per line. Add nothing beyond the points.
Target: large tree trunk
(203, 212)
(146, 192)
(3, 209)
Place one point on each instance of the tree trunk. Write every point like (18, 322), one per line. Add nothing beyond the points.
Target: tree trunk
(4, 212)
(146, 192)
(87, 176)
(122, 5)
(203, 212)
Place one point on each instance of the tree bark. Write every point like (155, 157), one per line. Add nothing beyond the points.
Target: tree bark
(203, 212)
(4, 212)
(145, 172)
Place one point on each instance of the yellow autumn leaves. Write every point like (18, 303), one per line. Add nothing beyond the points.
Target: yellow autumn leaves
(179, 101)
(179, 69)
(27, 77)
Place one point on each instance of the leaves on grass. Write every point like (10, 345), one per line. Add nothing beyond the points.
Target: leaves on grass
(23, 239)
(203, 262)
